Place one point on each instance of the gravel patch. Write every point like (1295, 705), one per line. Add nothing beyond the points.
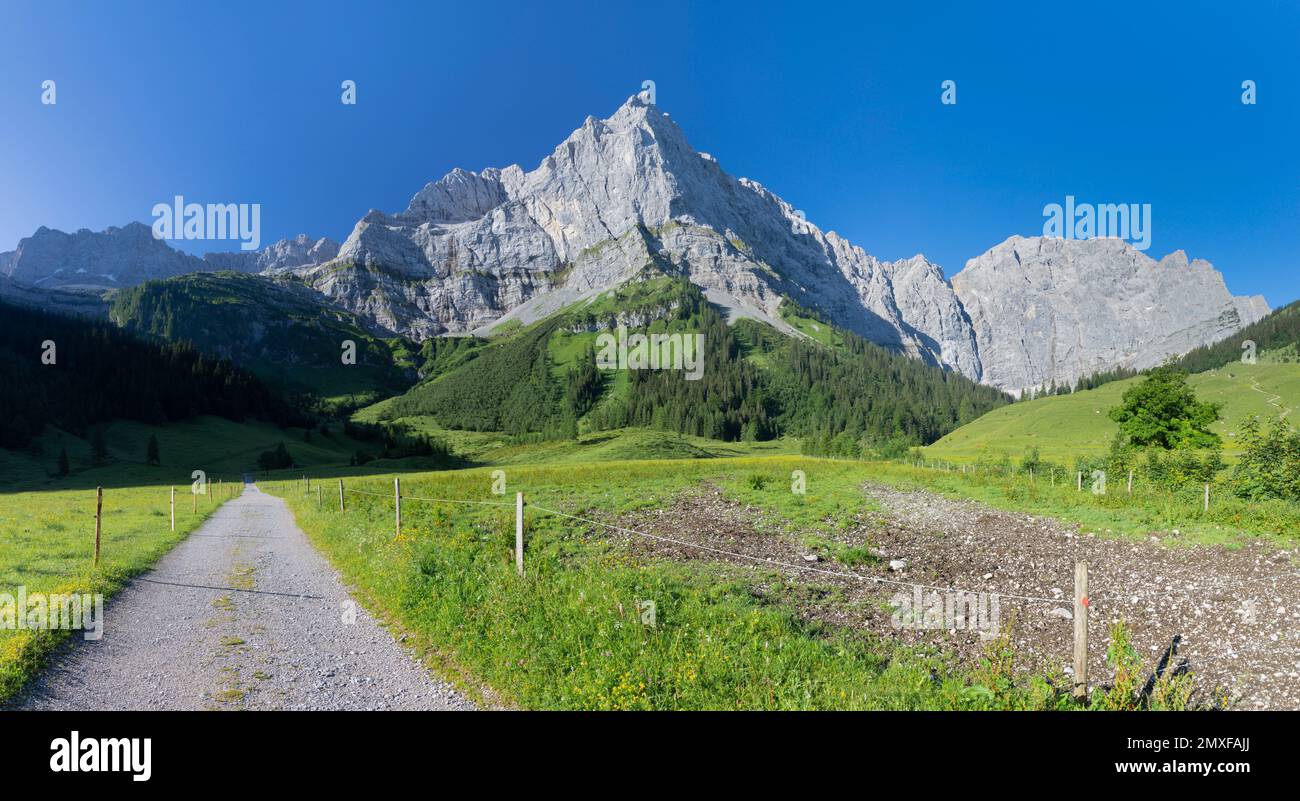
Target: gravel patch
(1232, 613)
(244, 614)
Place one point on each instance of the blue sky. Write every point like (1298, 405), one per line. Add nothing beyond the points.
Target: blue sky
(836, 108)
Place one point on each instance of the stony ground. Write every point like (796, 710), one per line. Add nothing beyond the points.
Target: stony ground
(1232, 614)
(244, 614)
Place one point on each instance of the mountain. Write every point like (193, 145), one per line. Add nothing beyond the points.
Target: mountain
(114, 257)
(127, 256)
(301, 251)
(477, 250)
(275, 328)
(618, 194)
(1050, 310)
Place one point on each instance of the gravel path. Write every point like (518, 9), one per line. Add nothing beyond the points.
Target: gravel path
(244, 614)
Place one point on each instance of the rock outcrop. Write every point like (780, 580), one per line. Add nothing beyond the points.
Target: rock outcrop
(1055, 310)
(301, 251)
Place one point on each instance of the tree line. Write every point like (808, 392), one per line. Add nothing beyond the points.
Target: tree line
(74, 373)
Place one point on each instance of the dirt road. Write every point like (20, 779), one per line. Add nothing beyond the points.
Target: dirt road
(244, 614)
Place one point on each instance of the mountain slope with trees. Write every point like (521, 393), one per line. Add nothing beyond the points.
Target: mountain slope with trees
(74, 373)
(756, 383)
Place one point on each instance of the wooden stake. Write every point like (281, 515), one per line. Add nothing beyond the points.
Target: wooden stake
(397, 502)
(1130, 482)
(318, 498)
(173, 508)
(1207, 497)
(1080, 487)
(519, 533)
(1081, 603)
(99, 516)
(341, 507)
(194, 503)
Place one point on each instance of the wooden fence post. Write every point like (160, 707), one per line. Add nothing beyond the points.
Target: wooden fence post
(1080, 482)
(1081, 604)
(397, 502)
(1130, 482)
(341, 507)
(1207, 497)
(194, 501)
(319, 501)
(173, 508)
(99, 516)
(519, 533)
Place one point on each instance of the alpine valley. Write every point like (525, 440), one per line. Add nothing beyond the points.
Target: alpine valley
(624, 201)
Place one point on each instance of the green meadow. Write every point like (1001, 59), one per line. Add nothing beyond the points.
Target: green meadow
(570, 633)
(1064, 427)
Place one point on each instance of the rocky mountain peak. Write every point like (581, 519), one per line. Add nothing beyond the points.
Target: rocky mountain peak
(114, 257)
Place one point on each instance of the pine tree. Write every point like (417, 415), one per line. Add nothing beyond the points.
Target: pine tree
(98, 450)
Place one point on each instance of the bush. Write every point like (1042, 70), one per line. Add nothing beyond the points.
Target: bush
(1270, 464)
(278, 458)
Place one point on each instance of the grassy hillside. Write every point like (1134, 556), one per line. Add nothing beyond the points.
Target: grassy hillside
(839, 394)
(497, 448)
(1065, 426)
(278, 330)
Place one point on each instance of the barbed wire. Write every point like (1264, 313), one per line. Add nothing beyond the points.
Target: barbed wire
(430, 500)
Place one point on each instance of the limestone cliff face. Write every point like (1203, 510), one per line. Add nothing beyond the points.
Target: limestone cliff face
(1048, 310)
(301, 251)
(112, 258)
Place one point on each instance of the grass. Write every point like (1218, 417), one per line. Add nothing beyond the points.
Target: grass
(1230, 521)
(221, 448)
(47, 521)
(48, 547)
(1063, 427)
(569, 634)
(497, 448)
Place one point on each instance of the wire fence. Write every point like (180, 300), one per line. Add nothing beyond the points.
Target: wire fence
(1111, 598)
(1083, 601)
